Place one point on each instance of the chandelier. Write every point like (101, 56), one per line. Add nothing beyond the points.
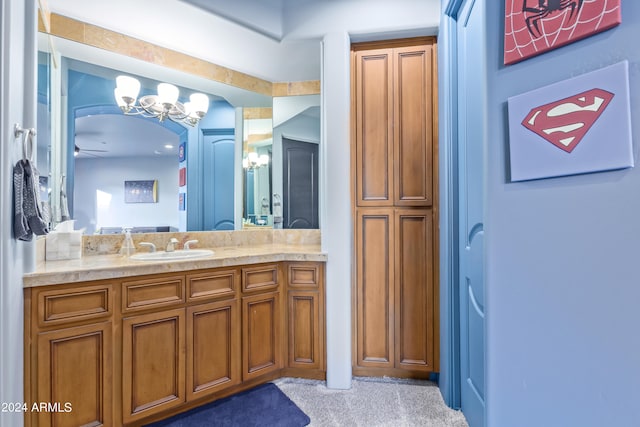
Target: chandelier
(161, 106)
(254, 161)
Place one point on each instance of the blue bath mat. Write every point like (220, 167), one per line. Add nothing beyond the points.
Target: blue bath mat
(264, 405)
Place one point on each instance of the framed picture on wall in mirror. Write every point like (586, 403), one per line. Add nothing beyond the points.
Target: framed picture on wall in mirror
(182, 177)
(141, 191)
(182, 152)
(532, 27)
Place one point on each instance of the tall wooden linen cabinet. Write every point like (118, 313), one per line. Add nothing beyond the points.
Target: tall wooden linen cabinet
(394, 185)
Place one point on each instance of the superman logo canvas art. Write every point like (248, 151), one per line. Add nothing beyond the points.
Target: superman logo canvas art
(579, 125)
(565, 122)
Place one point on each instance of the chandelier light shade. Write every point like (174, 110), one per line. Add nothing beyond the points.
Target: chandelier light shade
(161, 106)
(167, 94)
(254, 161)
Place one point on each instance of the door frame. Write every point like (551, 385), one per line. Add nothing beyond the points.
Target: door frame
(450, 375)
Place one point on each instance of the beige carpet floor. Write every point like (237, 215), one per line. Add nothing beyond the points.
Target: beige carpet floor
(372, 402)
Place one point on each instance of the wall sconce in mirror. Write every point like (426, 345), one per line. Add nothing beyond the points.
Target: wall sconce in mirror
(161, 106)
(255, 161)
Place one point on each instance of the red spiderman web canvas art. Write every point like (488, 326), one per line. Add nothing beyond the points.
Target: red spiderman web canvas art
(532, 27)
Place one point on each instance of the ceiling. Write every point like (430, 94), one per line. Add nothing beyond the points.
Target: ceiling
(117, 135)
(283, 19)
(263, 16)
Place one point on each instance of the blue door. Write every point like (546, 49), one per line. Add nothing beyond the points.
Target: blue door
(471, 106)
(218, 182)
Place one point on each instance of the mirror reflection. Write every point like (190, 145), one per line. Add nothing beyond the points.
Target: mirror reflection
(226, 172)
(108, 150)
(296, 139)
(256, 164)
(44, 126)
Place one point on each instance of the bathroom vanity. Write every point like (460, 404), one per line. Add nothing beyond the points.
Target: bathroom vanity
(120, 342)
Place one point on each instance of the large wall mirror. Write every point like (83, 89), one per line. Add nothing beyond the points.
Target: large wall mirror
(94, 159)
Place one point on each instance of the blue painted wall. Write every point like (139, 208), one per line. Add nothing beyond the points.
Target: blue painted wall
(563, 284)
(221, 115)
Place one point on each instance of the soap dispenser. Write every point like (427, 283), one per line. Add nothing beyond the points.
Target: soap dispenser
(128, 248)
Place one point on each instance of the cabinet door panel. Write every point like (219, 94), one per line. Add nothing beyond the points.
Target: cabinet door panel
(153, 363)
(375, 296)
(75, 367)
(374, 132)
(261, 340)
(213, 346)
(304, 329)
(416, 319)
(413, 126)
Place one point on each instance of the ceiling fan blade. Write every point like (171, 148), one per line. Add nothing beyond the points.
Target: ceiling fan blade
(87, 132)
(84, 150)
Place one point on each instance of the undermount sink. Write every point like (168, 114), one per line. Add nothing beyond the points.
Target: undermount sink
(174, 255)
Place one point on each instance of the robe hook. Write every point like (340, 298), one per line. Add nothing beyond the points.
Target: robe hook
(28, 133)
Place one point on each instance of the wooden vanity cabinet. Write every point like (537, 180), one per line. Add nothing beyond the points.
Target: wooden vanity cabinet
(213, 332)
(69, 355)
(192, 336)
(135, 350)
(153, 342)
(305, 319)
(261, 321)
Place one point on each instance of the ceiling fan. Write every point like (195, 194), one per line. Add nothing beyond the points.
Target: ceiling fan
(77, 150)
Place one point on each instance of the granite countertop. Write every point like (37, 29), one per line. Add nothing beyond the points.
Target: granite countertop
(99, 267)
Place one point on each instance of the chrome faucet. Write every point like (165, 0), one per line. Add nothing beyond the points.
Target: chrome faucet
(188, 243)
(171, 246)
(151, 246)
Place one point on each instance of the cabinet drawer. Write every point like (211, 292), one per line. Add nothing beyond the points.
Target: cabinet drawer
(216, 284)
(260, 278)
(74, 304)
(304, 275)
(152, 293)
